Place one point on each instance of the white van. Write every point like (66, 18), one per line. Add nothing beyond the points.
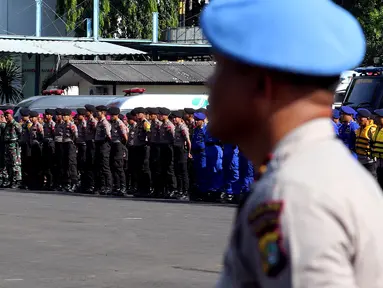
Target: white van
(170, 101)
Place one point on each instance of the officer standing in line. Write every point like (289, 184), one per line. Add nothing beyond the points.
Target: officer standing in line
(155, 150)
(70, 135)
(90, 169)
(131, 171)
(364, 135)
(119, 136)
(348, 128)
(198, 151)
(81, 147)
(336, 117)
(182, 152)
(377, 146)
(48, 149)
(230, 173)
(12, 134)
(190, 123)
(142, 151)
(58, 138)
(189, 119)
(246, 175)
(36, 137)
(214, 165)
(275, 240)
(168, 179)
(102, 140)
(335, 120)
(25, 148)
(3, 168)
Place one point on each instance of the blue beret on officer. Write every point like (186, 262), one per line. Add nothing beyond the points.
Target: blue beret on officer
(379, 112)
(363, 112)
(309, 37)
(335, 114)
(347, 110)
(199, 116)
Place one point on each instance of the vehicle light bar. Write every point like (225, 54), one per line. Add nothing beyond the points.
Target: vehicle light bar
(367, 70)
(134, 91)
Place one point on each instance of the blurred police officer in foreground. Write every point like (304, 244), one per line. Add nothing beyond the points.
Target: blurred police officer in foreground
(303, 225)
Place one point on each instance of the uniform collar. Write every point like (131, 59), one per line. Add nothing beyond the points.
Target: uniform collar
(310, 132)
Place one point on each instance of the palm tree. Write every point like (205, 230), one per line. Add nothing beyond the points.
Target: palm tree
(11, 90)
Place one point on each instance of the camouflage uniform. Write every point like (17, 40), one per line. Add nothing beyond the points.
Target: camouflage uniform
(3, 169)
(12, 133)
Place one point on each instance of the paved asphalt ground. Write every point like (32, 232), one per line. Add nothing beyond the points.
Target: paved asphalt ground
(67, 241)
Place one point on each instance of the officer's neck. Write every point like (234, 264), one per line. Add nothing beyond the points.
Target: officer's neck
(299, 111)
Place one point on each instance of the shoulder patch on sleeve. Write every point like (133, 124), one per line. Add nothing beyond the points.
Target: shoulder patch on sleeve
(264, 222)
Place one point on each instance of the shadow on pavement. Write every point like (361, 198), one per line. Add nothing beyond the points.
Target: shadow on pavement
(129, 197)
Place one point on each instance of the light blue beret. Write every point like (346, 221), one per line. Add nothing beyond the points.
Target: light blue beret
(310, 37)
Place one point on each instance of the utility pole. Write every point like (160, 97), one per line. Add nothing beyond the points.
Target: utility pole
(96, 22)
(37, 56)
(96, 19)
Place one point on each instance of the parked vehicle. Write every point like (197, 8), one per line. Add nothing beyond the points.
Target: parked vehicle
(170, 101)
(40, 103)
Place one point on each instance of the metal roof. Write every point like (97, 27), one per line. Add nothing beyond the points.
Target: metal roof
(67, 48)
(102, 72)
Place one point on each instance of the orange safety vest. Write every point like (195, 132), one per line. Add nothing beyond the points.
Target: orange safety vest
(377, 144)
(363, 139)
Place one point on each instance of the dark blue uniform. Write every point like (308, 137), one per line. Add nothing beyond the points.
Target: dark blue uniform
(348, 136)
(199, 157)
(214, 165)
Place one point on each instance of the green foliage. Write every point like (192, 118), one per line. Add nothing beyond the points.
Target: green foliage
(123, 18)
(75, 12)
(370, 16)
(10, 81)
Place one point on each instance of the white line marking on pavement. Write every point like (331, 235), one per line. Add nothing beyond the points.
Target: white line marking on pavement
(131, 218)
(16, 279)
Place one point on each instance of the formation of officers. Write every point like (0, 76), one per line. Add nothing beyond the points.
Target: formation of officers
(152, 152)
(362, 132)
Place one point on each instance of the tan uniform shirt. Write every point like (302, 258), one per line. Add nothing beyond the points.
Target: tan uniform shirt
(313, 220)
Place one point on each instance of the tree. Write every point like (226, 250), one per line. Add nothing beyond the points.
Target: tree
(10, 81)
(370, 15)
(167, 14)
(121, 18)
(74, 12)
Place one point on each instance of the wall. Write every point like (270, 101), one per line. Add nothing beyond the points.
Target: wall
(19, 17)
(48, 64)
(150, 89)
